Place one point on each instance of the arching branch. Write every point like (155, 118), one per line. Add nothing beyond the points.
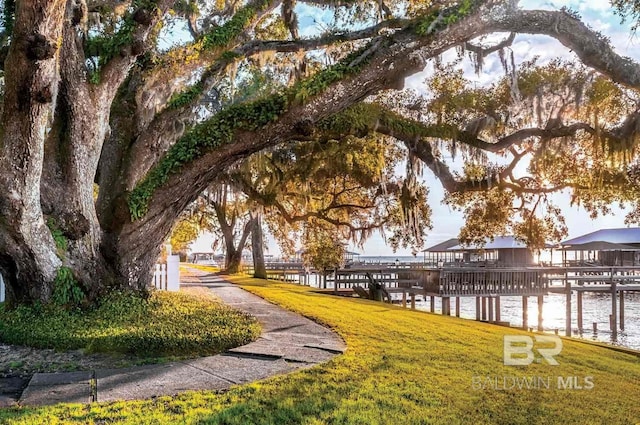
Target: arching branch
(483, 52)
(402, 54)
(593, 49)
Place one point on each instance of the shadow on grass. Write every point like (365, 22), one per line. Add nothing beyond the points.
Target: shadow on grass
(401, 367)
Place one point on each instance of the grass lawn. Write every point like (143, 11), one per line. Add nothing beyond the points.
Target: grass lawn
(401, 367)
(165, 324)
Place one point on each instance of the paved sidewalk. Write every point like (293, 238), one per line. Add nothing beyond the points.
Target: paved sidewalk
(288, 342)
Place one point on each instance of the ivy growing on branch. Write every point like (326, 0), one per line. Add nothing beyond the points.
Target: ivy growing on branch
(219, 130)
(442, 18)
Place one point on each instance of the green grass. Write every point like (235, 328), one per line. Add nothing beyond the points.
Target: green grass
(165, 324)
(401, 367)
(210, 269)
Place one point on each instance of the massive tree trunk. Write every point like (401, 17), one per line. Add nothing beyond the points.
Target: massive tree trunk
(54, 122)
(28, 251)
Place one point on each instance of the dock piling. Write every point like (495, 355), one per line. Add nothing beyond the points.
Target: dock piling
(484, 308)
(579, 307)
(614, 309)
(525, 312)
(540, 306)
(621, 310)
(568, 308)
(491, 316)
(446, 306)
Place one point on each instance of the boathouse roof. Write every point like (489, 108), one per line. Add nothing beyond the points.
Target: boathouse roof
(498, 242)
(442, 246)
(621, 236)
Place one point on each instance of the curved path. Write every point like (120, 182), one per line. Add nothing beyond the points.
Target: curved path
(288, 342)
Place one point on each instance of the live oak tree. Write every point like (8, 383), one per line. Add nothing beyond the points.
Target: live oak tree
(91, 95)
(346, 188)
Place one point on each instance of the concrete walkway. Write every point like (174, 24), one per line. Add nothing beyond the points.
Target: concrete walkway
(288, 342)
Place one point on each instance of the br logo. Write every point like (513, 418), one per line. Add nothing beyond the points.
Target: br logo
(519, 349)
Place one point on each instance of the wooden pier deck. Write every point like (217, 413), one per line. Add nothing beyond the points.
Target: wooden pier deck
(486, 284)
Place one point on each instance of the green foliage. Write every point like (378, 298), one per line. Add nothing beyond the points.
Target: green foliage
(186, 6)
(185, 97)
(164, 324)
(66, 291)
(184, 232)
(211, 134)
(229, 56)
(349, 65)
(363, 118)
(440, 19)
(8, 15)
(323, 249)
(58, 237)
(220, 36)
(219, 130)
(273, 29)
(106, 46)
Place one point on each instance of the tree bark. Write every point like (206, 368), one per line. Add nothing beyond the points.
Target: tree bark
(234, 253)
(257, 246)
(28, 259)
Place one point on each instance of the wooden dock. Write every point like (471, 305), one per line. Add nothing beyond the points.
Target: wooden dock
(486, 284)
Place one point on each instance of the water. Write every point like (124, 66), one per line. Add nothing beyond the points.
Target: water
(596, 308)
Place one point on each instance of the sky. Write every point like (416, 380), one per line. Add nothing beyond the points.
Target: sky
(446, 222)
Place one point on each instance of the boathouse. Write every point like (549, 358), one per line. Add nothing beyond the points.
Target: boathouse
(501, 251)
(439, 254)
(606, 247)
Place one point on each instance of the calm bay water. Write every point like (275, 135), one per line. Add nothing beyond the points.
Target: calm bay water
(596, 308)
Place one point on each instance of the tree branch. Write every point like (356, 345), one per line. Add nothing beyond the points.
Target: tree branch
(483, 52)
(401, 55)
(118, 68)
(178, 64)
(593, 49)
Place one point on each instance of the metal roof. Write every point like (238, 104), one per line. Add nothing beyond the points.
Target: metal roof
(615, 236)
(499, 242)
(442, 246)
(599, 246)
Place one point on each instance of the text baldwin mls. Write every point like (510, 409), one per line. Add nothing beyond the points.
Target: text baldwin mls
(511, 382)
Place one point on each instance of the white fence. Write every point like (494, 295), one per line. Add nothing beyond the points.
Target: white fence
(166, 277)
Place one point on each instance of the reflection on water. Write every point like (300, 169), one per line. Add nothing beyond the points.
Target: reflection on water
(595, 308)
